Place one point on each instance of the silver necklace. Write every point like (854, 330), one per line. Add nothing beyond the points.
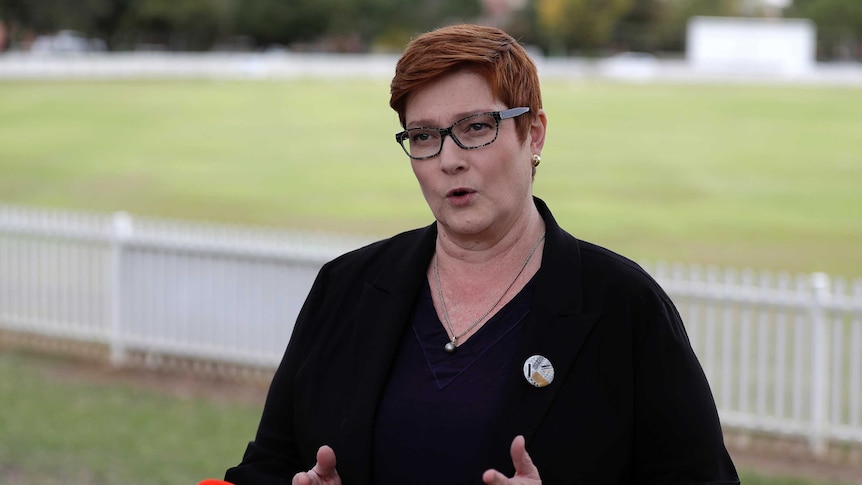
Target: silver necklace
(452, 345)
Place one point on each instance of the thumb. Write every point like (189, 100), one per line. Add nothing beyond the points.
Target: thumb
(325, 466)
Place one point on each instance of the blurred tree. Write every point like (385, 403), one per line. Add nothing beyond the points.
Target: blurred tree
(669, 18)
(839, 26)
(123, 23)
(44, 16)
(107, 23)
(636, 31)
(390, 24)
(579, 23)
(347, 24)
(523, 25)
(27, 18)
(558, 26)
(279, 22)
(199, 24)
(178, 25)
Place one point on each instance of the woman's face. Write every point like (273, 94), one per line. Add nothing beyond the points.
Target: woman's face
(480, 193)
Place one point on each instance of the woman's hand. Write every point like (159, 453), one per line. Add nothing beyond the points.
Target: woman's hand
(526, 472)
(323, 473)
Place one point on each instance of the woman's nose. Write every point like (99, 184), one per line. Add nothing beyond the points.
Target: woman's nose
(451, 156)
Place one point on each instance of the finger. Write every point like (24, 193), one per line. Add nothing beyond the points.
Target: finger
(493, 477)
(301, 478)
(524, 466)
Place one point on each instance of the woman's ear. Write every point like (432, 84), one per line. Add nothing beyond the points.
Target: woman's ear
(537, 132)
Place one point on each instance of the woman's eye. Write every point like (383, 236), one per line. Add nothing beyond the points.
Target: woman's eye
(474, 129)
(421, 137)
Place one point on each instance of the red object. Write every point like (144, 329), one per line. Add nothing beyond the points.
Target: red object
(213, 481)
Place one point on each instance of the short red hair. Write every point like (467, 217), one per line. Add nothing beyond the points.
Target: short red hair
(491, 52)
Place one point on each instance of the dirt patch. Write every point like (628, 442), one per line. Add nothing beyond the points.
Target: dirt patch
(792, 458)
(71, 361)
(197, 382)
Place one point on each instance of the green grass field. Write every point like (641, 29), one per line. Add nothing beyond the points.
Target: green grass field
(768, 177)
(55, 430)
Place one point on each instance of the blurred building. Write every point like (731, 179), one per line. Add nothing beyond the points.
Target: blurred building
(751, 45)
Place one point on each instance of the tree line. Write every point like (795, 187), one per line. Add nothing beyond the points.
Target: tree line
(557, 27)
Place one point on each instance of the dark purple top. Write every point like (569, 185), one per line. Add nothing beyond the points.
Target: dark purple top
(434, 422)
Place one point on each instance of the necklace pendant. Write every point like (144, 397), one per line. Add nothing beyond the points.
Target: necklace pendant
(450, 347)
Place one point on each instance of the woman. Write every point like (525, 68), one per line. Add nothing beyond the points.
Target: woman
(443, 354)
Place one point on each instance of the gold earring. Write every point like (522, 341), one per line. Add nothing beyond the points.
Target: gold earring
(536, 160)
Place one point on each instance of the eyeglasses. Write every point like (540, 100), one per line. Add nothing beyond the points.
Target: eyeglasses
(474, 131)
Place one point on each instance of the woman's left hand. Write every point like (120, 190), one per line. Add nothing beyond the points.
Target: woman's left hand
(526, 472)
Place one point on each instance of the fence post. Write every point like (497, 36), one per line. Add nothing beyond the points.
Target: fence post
(820, 285)
(121, 231)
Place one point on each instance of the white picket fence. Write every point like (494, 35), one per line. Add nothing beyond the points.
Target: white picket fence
(23, 66)
(783, 353)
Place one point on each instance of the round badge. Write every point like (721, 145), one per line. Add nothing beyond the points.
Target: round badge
(538, 371)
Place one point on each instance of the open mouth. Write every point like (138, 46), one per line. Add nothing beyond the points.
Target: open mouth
(458, 192)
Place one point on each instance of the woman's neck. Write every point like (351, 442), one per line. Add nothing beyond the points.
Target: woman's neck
(490, 248)
(474, 277)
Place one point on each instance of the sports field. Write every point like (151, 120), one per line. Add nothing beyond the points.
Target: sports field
(768, 177)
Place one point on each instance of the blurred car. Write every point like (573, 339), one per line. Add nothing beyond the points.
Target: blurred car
(631, 66)
(66, 42)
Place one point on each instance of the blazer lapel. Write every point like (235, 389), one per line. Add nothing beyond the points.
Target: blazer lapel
(385, 310)
(556, 330)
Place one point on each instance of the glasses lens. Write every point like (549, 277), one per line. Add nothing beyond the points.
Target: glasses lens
(476, 131)
(420, 142)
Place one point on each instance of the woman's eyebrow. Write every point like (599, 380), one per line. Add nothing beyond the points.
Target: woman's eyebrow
(457, 117)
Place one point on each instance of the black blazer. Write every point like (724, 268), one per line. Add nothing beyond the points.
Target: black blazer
(629, 402)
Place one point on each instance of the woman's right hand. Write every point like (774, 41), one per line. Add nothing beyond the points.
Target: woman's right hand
(526, 472)
(323, 473)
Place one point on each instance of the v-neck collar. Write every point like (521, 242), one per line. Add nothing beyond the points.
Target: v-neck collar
(432, 337)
